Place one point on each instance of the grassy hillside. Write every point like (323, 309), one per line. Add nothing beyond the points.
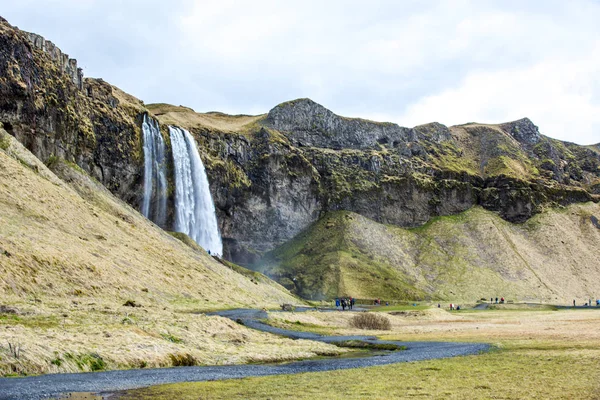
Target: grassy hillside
(214, 121)
(87, 283)
(472, 255)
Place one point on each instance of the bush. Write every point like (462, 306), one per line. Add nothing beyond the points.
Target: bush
(182, 360)
(4, 142)
(371, 321)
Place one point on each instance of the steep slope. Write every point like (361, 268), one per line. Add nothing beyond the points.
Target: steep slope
(87, 283)
(552, 257)
(100, 247)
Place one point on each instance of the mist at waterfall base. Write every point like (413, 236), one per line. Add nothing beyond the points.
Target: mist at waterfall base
(194, 208)
(154, 202)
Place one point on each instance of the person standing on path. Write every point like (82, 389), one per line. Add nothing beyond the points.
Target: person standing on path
(343, 304)
(573, 303)
(337, 303)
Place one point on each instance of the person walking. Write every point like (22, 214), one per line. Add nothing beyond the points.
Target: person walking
(573, 303)
(352, 302)
(343, 304)
(337, 303)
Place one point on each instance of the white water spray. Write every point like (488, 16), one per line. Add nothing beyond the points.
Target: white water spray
(194, 207)
(154, 203)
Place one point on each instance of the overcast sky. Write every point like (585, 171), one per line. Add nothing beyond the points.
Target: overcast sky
(409, 62)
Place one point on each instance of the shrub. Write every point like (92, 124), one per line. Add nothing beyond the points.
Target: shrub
(4, 142)
(52, 161)
(95, 362)
(92, 360)
(182, 360)
(371, 321)
(131, 303)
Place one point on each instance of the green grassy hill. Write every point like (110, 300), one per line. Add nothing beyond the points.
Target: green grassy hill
(468, 256)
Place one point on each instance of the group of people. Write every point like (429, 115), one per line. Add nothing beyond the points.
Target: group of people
(345, 302)
(501, 300)
(588, 304)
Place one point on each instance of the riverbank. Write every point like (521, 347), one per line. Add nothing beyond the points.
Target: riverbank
(537, 354)
(48, 385)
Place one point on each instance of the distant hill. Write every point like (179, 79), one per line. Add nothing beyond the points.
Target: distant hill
(553, 257)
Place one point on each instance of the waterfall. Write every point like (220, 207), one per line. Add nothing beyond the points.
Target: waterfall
(154, 203)
(194, 207)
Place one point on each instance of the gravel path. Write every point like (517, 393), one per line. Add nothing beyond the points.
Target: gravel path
(44, 386)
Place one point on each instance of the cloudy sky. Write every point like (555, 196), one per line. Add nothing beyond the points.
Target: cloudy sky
(408, 62)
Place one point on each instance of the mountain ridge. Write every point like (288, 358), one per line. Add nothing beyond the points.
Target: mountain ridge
(273, 175)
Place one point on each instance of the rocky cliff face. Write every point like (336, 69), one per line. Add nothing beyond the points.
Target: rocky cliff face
(46, 104)
(62, 60)
(273, 175)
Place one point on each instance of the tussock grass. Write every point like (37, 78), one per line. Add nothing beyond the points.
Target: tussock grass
(371, 321)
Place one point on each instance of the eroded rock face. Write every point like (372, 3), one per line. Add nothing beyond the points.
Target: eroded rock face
(48, 108)
(264, 192)
(523, 130)
(309, 124)
(307, 161)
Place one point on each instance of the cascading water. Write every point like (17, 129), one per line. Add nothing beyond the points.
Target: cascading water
(194, 207)
(154, 203)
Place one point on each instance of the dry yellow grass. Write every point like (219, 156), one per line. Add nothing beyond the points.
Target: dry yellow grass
(188, 118)
(72, 254)
(539, 355)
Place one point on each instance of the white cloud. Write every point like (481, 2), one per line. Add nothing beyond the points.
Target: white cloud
(556, 95)
(409, 62)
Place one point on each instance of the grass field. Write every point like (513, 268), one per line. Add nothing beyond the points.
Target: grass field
(537, 354)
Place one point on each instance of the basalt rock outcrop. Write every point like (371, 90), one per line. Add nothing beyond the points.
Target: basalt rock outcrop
(273, 175)
(48, 106)
(65, 64)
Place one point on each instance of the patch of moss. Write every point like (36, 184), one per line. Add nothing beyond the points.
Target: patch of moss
(4, 141)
